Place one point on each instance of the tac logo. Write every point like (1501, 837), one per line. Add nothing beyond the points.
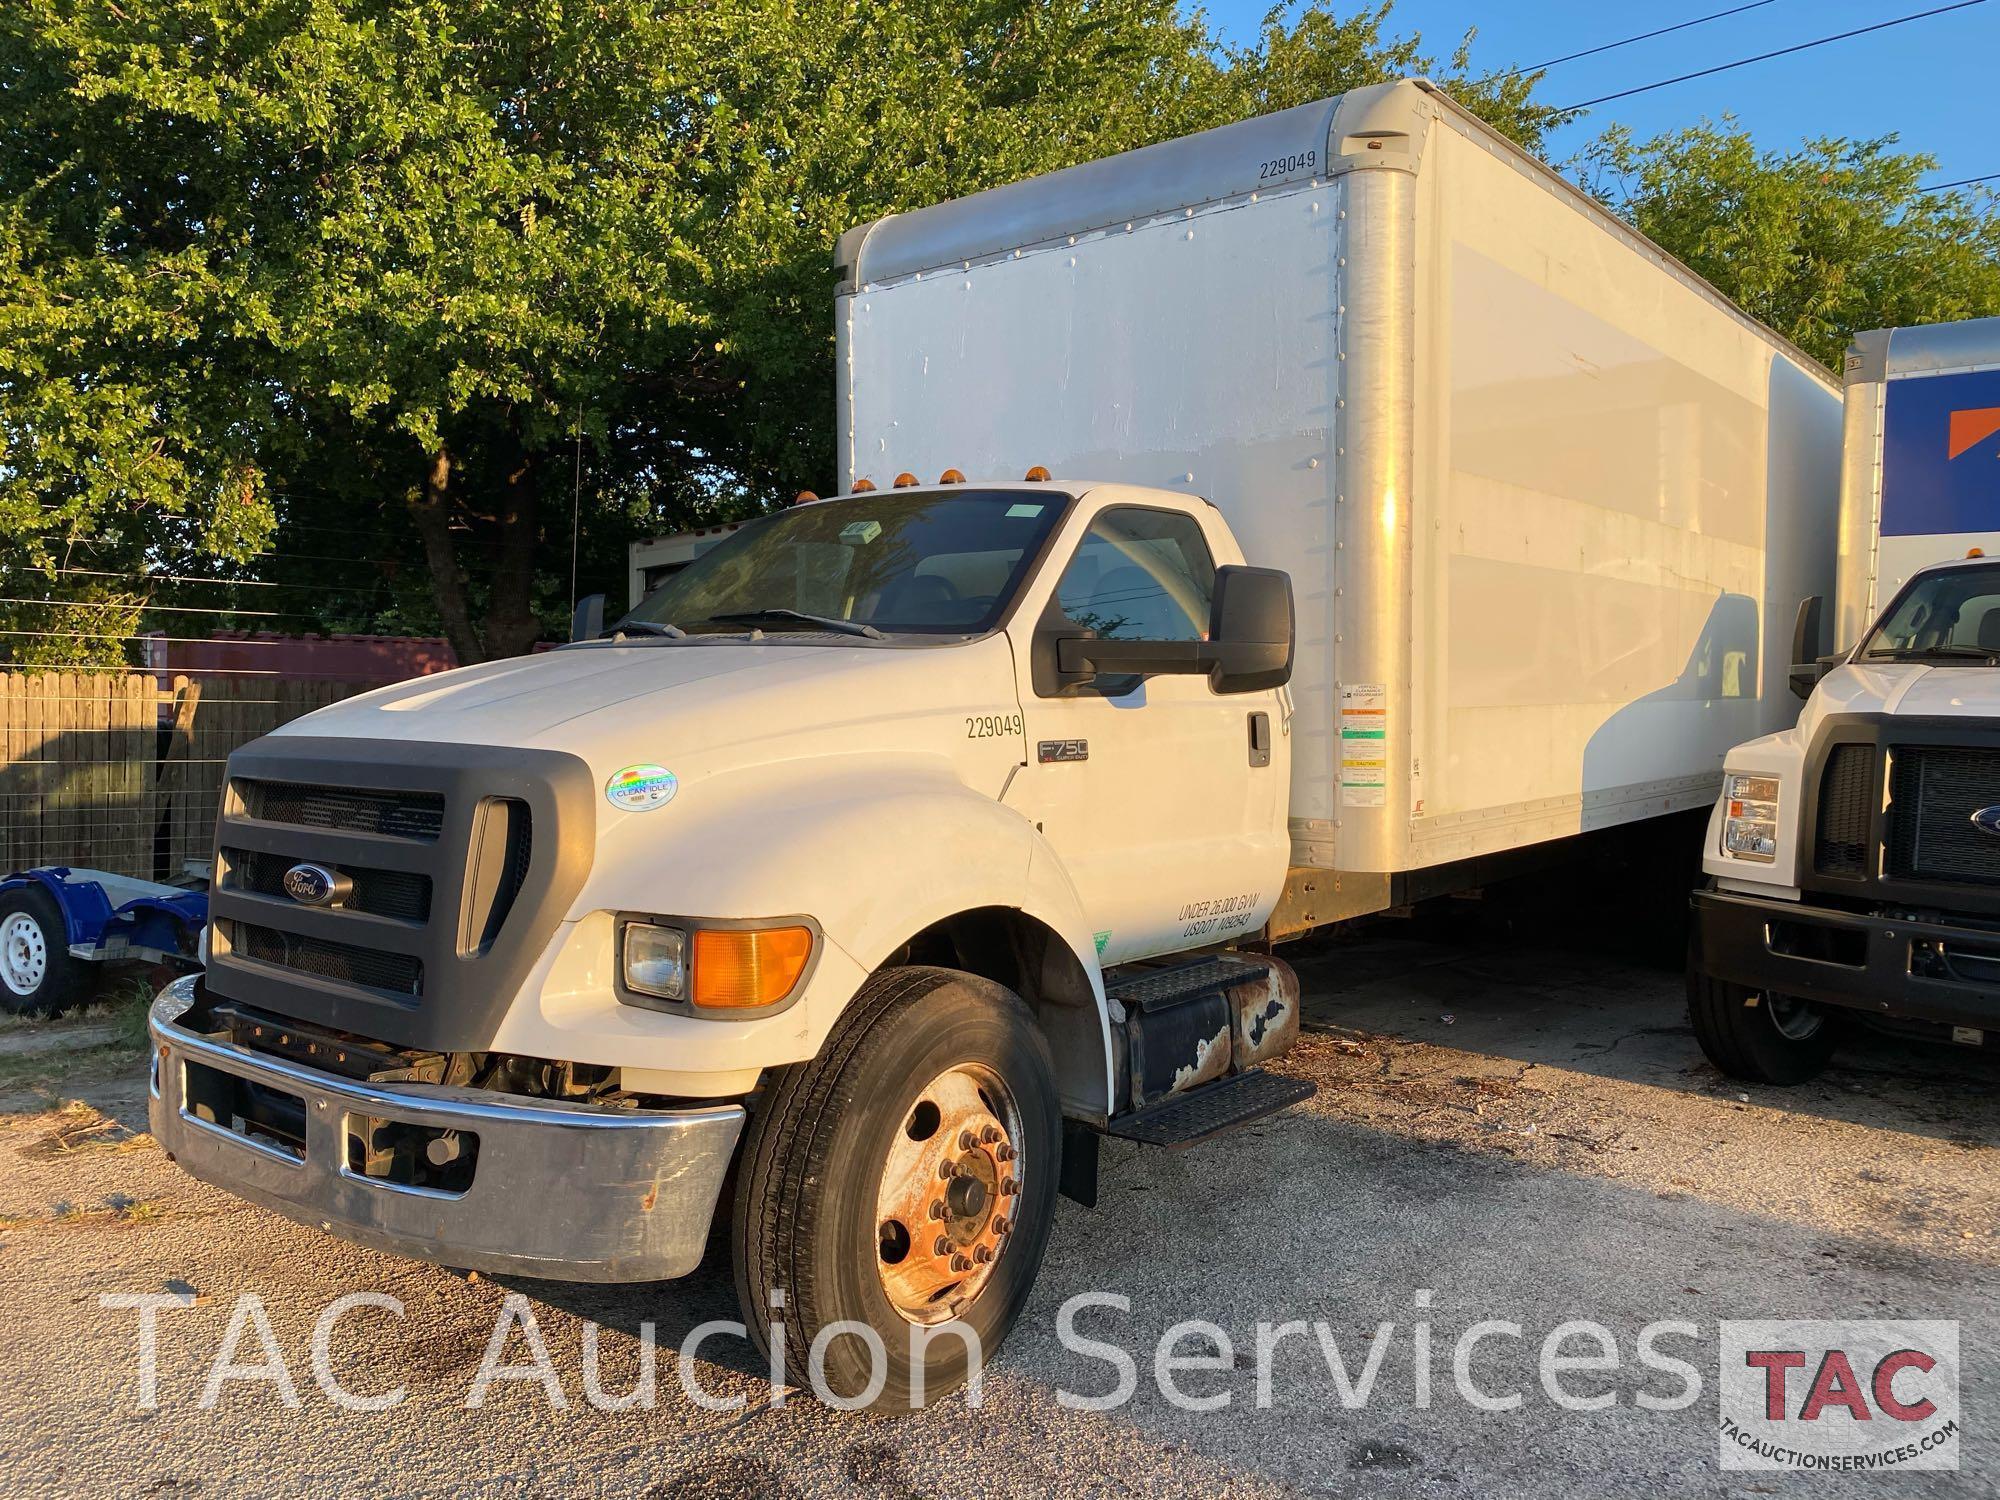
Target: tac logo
(1968, 429)
(1843, 1397)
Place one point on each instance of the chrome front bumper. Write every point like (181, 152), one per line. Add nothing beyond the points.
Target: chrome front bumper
(568, 1192)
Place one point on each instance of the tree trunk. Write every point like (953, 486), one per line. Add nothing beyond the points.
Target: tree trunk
(430, 512)
(511, 625)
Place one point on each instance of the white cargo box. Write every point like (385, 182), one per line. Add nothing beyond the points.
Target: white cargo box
(1549, 502)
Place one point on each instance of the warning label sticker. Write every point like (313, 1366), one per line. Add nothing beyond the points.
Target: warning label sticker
(1364, 744)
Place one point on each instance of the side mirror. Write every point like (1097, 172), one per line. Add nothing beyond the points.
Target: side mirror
(587, 623)
(1807, 665)
(1249, 647)
(1252, 630)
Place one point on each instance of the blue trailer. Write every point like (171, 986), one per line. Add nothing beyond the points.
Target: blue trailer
(54, 920)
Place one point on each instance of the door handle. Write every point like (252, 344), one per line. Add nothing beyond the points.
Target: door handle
(1260, 739)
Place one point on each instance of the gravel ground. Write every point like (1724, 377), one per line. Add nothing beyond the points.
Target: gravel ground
(1501, 1132)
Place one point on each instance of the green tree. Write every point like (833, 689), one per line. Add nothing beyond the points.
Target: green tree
(1820, 243)
(1310, 52)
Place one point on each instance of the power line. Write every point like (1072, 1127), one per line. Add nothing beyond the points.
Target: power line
(1943, 187)
(1644, 36)
(1744, 62)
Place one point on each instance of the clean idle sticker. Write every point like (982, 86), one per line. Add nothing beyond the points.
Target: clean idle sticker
(1364, 744)
(641, 788)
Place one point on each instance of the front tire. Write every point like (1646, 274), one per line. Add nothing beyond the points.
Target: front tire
(903, 1179)
(38, 977)
(1757, 1036)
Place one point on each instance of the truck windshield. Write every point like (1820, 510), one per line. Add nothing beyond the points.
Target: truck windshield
(875, 564)
(1948, 616)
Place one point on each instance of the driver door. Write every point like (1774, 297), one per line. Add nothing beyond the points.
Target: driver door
(1163, 799)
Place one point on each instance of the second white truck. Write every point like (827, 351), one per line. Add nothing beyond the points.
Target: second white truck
(1854, 859)
(1408, 510)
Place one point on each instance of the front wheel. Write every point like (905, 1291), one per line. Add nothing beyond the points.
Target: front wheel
(901, 1184)
(1758, 1036)
(38, 975)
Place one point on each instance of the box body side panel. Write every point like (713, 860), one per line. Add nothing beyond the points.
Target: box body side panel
(1623, 491)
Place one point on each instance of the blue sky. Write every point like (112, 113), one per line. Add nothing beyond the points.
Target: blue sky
(1935, 83)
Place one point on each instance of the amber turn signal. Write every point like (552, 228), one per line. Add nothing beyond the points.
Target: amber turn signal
(745, 968)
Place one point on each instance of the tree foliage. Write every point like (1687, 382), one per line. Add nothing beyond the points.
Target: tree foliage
(1820, 243)
(366, 299)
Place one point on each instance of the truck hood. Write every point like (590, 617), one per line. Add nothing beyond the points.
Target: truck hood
(1906, 690)
(626, 702)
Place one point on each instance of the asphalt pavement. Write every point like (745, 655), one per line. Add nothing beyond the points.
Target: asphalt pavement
(1505, 1133)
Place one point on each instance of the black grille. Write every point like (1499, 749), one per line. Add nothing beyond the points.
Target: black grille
(1934, 790)
(402, 894)
(402, 815)
(395, 973)
(1846, 805)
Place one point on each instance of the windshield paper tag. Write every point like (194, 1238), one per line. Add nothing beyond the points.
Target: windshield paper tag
(1364, 744)
(860, 533)
(1023, 511)
(641, 788)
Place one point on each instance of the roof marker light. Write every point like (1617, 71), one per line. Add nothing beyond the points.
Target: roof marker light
(804, 497)
(1036, 475)
(862, 487)
(907, 481)
(951, 476)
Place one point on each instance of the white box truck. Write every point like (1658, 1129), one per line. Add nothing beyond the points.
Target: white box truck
(906, 843)
(1854, 859)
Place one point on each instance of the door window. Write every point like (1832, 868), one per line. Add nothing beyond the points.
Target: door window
(1140, 575)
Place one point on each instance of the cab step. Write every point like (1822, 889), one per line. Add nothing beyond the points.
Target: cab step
(1210, 1110)
(1162, 985)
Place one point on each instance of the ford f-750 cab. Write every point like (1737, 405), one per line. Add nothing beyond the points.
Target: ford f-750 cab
(1854, 860)
(902, 845)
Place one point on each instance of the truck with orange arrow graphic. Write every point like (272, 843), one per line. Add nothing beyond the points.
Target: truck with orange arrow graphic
(1853, 861)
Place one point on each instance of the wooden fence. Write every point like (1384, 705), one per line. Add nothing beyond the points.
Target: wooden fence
(107, 771)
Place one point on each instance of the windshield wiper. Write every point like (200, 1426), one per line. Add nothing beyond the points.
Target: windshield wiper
(780, 616)
(1923, 653)
(643, 627)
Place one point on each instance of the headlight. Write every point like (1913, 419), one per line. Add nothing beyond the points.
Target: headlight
(1750, 822)
(655, 960)
(714, 967)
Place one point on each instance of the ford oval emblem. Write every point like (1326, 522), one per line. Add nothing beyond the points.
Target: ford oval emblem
(1987, 820)
(312, 885)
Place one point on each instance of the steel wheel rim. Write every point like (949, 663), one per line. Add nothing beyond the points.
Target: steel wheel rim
(949, 1194)
(1795, 1020)
(24, 954)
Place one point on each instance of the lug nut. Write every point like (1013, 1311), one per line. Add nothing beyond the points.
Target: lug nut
(937, 1208)
(1008, 1187)
(984, 1255)
(1002, 1224)
(966, 1141)
(1003, 1152)
(960, 1264)
(947, 1167)
(942, 1247)
(989, 1135)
